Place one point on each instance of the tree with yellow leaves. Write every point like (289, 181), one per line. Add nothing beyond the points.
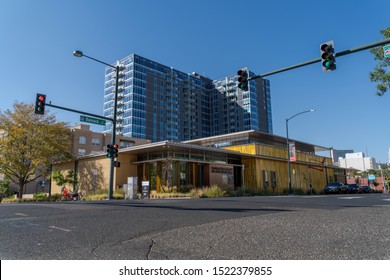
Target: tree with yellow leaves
(30, 143)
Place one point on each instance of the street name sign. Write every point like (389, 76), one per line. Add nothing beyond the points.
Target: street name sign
(92, 120)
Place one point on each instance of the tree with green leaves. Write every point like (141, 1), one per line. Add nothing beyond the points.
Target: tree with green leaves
(62, 179)
(30, 143)
(381, 74)
(4, 186)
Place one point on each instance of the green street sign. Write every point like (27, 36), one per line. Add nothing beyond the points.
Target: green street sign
(92, 120)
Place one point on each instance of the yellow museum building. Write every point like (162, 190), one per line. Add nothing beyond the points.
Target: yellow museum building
(252, 160)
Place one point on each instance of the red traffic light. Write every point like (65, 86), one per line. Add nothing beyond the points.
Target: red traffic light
(40, 104)
(115, 151)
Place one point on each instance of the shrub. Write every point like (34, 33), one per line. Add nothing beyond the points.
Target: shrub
(194, 193)
(186, 188)
(100, 194)
(41, 196)
(55, 197)
(95, 197)
(213, 191)
(119, 194)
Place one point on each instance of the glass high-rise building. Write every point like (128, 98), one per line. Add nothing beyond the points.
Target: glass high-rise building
(159, 103)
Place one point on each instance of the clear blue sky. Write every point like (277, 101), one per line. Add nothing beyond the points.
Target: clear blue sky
(213, 38)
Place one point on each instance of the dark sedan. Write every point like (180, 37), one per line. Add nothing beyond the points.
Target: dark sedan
(367, 189)
(355, 188)
(336, 187)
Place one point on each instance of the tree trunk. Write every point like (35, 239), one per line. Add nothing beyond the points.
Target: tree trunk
(21, 187)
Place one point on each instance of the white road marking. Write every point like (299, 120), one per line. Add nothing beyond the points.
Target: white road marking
(349, 197)
(63, 229)
(21, 214)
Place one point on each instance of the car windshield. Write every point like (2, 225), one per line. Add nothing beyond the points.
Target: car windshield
(334, 184)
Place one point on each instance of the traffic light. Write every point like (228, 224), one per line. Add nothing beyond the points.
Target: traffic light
(40, 104)
(328, 58)
(115, 151)
(109, 150)
(112, 151)
(242, 79)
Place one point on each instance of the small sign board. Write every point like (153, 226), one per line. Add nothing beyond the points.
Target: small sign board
(371, 177)
(92, 120)
(145, 189)
(386, 51)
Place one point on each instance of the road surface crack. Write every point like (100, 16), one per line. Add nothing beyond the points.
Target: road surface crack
(150, 249)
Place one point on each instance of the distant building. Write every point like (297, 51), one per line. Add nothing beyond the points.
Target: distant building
(87, 142)
(160, 103)
(336, 154)
(389, 156)
(358, 161)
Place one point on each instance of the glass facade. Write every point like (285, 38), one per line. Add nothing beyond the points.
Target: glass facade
(159, 103)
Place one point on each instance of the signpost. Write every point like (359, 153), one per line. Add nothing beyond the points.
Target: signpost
(92, 120)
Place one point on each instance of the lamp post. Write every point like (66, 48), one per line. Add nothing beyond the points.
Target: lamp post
(288, 147)
(117, 68)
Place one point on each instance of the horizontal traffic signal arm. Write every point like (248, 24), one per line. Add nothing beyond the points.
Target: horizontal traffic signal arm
(345, 52)
(80, 112)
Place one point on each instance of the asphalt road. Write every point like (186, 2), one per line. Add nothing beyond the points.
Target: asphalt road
(270, 228)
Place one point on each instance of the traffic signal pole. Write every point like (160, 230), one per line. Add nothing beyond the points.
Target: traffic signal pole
(112, 159)
(338, 54)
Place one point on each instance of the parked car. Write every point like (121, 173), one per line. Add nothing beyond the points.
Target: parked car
(336, 187)
(366, 189)
(355, 188)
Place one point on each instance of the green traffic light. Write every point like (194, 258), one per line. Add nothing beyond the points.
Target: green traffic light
(327, 64)
(243, 87)
(328, 56)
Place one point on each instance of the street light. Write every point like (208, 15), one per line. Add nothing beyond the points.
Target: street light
(117, 68)
(288, 147)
